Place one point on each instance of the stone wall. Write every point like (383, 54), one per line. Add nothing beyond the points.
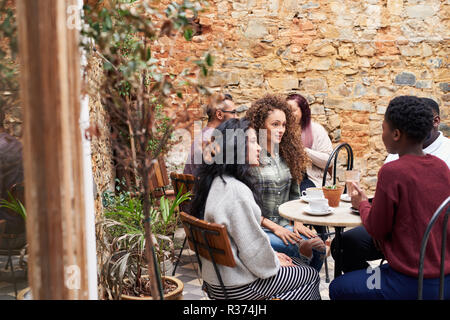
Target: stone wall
(349, 58)
(102, 164)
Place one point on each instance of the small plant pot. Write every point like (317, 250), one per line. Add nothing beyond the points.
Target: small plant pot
(333, 195)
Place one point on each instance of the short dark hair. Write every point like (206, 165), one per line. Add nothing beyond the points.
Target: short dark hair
(228, 96)
(433, 104)
(411, 115)
(217, 102)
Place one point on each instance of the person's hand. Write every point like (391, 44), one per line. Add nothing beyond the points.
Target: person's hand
(357, 195)
(306, 246)
(286, 235)
(300, 228)
(285, 260)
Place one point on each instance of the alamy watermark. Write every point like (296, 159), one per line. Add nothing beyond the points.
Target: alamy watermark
(374, 280)
(72, 277)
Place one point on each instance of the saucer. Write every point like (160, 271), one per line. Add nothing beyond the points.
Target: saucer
(307, 199)
(318, 213)
(346, 198)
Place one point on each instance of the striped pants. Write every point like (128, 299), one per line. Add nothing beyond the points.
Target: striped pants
(290, 283)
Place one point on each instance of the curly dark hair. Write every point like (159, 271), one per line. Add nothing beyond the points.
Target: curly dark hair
(291, 147)
(411, 115)
(433, 104)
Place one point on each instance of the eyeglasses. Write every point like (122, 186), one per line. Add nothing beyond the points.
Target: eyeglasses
(232, 111)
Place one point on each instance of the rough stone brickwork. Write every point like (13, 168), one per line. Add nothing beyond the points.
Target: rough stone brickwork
(349, 58)
(102, 164)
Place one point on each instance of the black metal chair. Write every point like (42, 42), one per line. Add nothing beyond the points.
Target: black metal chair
(334, 155)
(185, 183)
(423, 247)
(211, 241)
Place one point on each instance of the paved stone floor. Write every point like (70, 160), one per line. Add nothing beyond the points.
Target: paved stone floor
(6, 282)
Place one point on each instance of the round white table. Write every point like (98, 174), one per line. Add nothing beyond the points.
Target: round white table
(341, 217)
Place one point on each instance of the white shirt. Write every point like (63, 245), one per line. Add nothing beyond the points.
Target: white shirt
(439, 148)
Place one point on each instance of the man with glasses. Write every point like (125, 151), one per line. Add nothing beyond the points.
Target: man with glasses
(221, 109)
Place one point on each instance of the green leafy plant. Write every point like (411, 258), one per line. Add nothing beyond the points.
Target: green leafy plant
(14, 205)
(332, 187)
(124, 241)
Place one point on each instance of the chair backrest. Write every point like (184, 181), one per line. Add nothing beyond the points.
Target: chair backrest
(184, 182)
(444, 207)
(209, 240)
(158, 174)
(334, 155)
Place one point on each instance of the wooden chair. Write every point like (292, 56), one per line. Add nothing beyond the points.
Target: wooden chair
(185, 183)
(159, 179)
(434, 218)
(210, 241)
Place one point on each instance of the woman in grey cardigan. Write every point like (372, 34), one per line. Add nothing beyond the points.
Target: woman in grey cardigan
(224, 195)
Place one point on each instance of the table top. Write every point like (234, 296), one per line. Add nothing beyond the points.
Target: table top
(342, 216)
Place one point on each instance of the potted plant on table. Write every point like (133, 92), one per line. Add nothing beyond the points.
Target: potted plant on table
(333, 194)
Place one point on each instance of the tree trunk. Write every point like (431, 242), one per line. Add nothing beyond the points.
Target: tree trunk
(154, 275)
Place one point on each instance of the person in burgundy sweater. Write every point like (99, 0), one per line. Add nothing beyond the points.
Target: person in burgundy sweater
(408, 192)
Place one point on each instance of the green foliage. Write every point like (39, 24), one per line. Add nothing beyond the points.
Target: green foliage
(164, 219)
(123, 241)
(14, 205)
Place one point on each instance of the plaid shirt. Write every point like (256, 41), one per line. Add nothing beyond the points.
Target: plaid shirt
(274, 182)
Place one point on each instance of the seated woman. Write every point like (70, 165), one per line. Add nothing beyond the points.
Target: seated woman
(282, 165)
(408, 192)
(315, 139)
(224, 195)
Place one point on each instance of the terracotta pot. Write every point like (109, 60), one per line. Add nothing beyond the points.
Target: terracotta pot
(176, 294)
(333, 195)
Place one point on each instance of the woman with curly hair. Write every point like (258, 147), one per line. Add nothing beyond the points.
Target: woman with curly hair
(282, 165)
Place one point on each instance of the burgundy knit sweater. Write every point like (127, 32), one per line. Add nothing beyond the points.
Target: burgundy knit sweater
(408, 192)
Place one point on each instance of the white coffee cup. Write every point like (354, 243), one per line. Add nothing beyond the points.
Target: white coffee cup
(313, 193)
(319, 205)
